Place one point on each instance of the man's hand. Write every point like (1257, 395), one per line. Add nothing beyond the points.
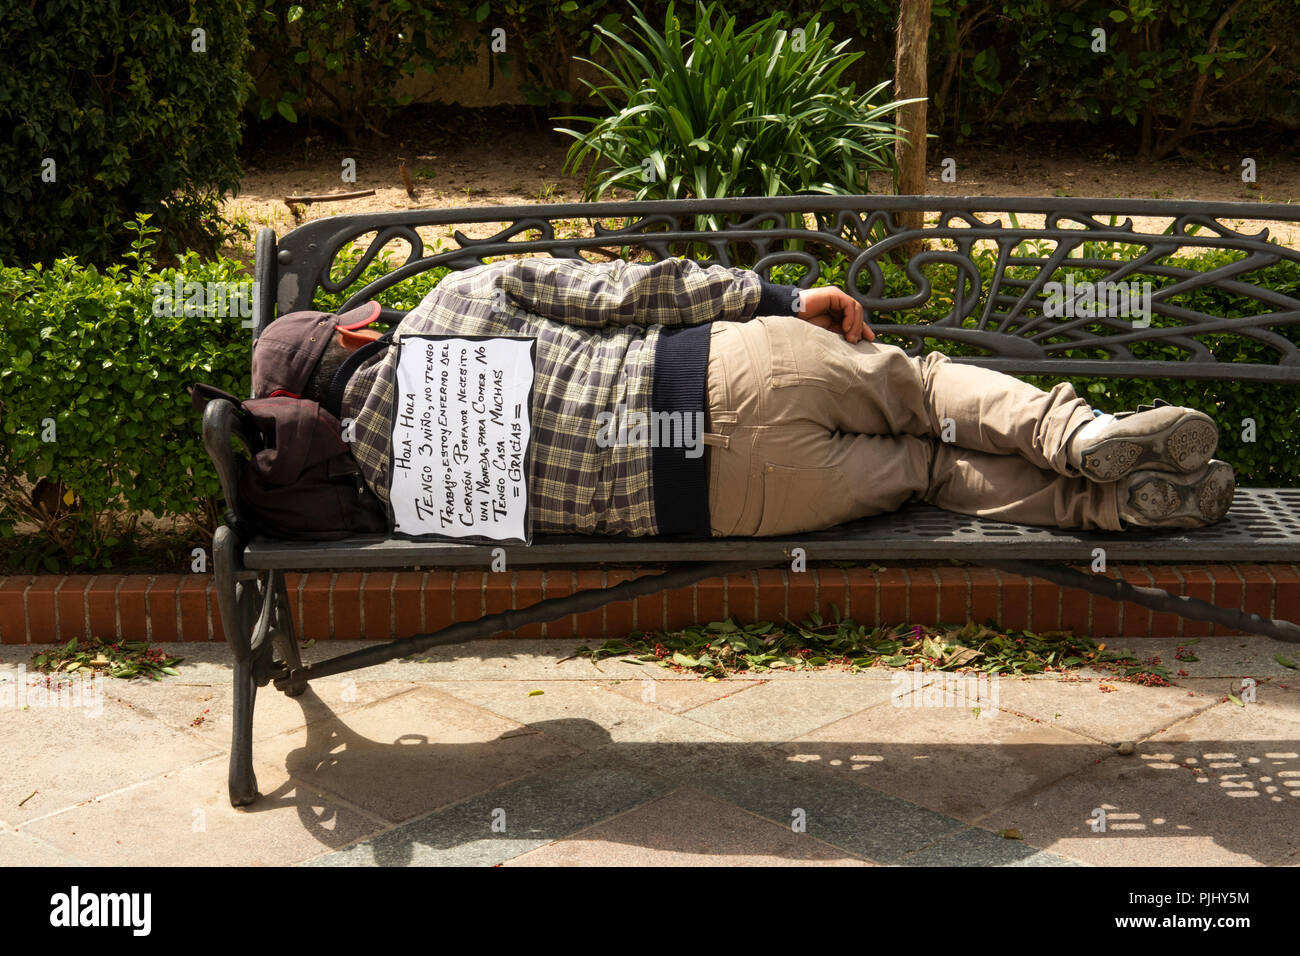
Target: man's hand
(828, 307)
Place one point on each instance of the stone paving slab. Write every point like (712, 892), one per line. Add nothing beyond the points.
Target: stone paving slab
(22, 849)
(769, 783)
(582, 713)
(504, 659)
(406, 755)
(508, 821)
(687, 828)
(863, 821)
(782, 710)
(935, 756)
(178, 706)
(56, 757)
(976, 846)
(886, 674)
(1274, 700)
(1124, 712)
(1250, 752)
(455, 760)
(678, 696)
(1252, 655)
(184, 818)
(1195, 793)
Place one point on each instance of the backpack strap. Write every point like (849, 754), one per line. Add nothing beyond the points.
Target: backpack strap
(339, 384)
(200, 395)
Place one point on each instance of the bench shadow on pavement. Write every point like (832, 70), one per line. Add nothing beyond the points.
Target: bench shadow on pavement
(1247, 810)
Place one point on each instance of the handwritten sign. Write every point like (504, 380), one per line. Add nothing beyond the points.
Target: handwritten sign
(461, 431)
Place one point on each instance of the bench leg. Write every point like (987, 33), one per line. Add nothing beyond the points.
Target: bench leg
(242, 781)
(248, 606)
(286, 639)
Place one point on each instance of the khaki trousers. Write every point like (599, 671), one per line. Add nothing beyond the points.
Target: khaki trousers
(807, 431)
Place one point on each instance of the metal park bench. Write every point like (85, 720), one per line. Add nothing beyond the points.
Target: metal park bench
(997, 319)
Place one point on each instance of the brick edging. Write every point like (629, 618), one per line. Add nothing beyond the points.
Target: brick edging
(48, 609)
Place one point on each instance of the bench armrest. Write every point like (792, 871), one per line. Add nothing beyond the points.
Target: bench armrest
(222, 424)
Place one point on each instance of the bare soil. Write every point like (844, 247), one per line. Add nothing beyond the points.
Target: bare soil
(488, 158)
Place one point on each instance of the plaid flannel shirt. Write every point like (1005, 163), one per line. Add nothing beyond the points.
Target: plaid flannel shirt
(597, 326)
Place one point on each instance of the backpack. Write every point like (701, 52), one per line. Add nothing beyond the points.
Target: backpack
(302, 482)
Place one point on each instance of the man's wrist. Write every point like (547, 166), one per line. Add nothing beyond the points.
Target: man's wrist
(777, 299)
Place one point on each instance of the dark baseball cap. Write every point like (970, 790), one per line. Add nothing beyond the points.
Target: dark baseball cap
(288, 350)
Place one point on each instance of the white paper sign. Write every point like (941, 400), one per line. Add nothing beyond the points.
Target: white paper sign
(460, 437)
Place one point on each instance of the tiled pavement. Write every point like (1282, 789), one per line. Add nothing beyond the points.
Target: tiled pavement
(458, 759)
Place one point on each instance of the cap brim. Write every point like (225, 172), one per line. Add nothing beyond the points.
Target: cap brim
(355, 338)
(359, 317)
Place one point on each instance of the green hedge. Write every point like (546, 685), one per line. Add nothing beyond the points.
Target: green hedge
(132, 117)
(84, 361)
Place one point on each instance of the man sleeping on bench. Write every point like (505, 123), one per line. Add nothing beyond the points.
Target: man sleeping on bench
(802, 422)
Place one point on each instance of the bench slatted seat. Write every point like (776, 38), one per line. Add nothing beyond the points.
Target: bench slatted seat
(997, 320)
(1264, 523)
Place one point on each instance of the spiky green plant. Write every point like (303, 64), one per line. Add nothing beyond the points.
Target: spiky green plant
(714, 111)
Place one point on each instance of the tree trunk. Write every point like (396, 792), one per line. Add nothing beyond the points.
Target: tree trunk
(910, 81)
(1168, 144)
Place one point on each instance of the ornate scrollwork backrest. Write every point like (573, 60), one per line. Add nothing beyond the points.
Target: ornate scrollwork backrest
(1095, 288)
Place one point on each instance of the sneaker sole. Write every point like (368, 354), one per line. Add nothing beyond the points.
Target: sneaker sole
(1185, 446)
(1170, 504)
